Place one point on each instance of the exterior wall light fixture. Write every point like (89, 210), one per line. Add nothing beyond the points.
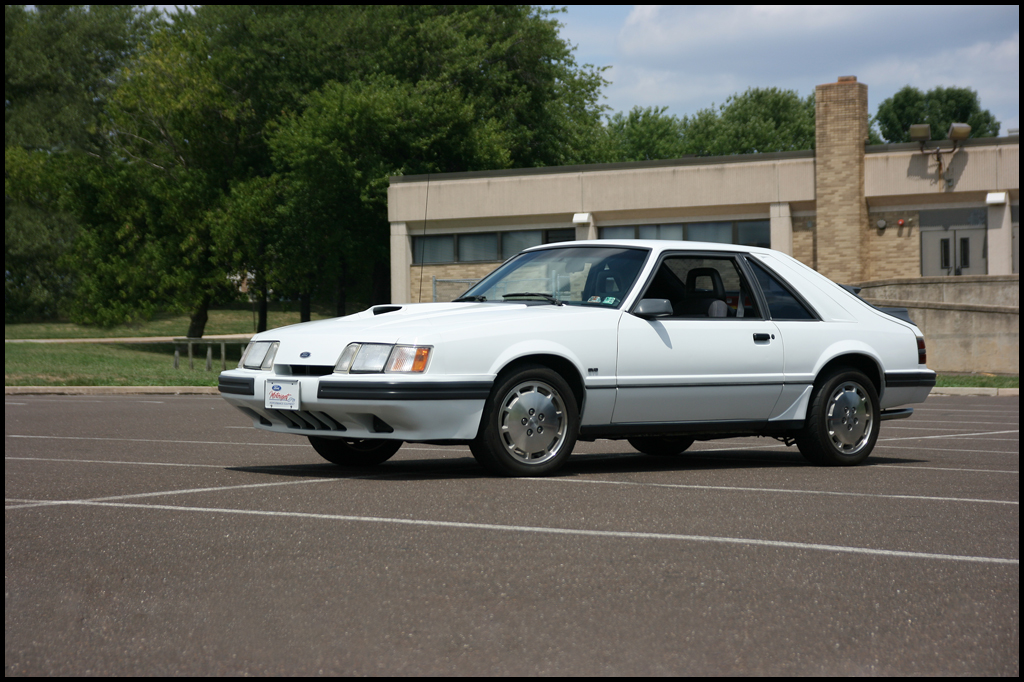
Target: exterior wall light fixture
(958, 132)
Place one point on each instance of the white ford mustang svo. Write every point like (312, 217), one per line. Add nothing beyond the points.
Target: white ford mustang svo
(661, 343)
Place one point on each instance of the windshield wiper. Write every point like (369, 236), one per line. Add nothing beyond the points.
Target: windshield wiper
(472, 299)
(532, 294)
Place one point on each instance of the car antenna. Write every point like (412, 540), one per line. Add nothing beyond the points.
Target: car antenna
(426, 202)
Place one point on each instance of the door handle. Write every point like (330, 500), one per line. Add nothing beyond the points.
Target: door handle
(762, 337)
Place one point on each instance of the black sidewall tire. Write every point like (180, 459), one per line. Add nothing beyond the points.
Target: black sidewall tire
(489, 449)
(814, 440)
(355, 453)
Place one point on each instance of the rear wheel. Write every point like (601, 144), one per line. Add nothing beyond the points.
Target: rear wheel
(842, 421)
(664, 446)
(355, 453)
(529, 424)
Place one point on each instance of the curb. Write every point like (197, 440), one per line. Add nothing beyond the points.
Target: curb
(111, 390)
(963, 390)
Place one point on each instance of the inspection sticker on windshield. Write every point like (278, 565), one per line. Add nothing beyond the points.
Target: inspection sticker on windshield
(610, 300)
(282, 394)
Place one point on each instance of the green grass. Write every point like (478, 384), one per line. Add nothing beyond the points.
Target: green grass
(109, 364)
(977, 381)
(220, 322)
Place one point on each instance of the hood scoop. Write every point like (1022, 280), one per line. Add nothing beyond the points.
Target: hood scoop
(384, 309)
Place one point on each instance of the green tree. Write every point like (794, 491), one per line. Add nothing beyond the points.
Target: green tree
(645, 133)
(759, 120)
(38, 280)
(340, 152)
(414, 90)
(60, 64)
(178, 137)
(939, 107)
(420, 89)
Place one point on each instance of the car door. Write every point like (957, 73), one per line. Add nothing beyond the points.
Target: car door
(715, 359)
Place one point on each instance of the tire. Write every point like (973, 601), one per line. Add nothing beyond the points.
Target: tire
(842, 421)
(662, 446)
(530, 424)
(355, 453)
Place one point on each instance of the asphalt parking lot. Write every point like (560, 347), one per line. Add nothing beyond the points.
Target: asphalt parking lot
(163, 535)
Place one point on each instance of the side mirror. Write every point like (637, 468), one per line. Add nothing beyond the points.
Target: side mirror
(650, 308)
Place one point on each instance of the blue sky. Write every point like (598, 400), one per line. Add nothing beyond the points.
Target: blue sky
(687, 57)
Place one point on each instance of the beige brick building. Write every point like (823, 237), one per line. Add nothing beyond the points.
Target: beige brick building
(900, 222)
(857, 213)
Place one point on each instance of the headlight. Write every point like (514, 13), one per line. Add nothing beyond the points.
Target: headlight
(374, 358)
(260, 355)
(370, 358)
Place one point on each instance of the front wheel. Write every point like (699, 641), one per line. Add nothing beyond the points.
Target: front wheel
(355, 453)
(842, 422)
(530, 424)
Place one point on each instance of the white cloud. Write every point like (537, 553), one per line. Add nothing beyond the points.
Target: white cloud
(687, 57)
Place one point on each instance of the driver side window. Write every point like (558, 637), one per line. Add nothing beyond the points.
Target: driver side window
(701, 287)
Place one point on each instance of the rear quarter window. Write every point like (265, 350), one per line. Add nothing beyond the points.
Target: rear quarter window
(782, 303)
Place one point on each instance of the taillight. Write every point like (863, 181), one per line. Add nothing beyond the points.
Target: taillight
(922, 354)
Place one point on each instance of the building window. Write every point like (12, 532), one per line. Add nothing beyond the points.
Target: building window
(745, 232)
(478, 247)
(514, 242)
(718, 233)
(433, 249)
(482, 247)
(754, 233)
(563, 235)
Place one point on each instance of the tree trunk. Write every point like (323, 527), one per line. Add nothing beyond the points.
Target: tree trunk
(261, 323)
(197, 322)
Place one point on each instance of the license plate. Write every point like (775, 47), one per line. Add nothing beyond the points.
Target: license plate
(282, 394)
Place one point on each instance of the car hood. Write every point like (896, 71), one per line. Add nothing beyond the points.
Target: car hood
(417, 323)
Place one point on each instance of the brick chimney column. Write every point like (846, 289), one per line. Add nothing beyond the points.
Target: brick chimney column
(841, 131)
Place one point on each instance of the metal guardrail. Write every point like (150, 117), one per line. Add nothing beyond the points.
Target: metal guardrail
(209, 343)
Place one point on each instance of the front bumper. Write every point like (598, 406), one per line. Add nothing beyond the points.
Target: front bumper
(364, 407)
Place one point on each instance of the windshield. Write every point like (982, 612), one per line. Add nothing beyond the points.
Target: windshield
(580, 275)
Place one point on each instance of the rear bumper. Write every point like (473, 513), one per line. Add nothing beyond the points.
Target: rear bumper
(902, 388)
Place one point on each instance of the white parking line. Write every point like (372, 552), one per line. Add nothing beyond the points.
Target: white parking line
(934, 449)
(930, 429)
(169, 442)
(569, 531)
(115, 461)
(952, 436)
(956, 469)
(770, 490)
(911, 422)
(52, 503)
(303, 445)
(978, 410)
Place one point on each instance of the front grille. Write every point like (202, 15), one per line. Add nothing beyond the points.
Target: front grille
(304, 370)
(306, 419)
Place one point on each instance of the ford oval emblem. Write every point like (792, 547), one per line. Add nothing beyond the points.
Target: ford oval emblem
(304, 354)
(275, 387)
